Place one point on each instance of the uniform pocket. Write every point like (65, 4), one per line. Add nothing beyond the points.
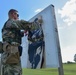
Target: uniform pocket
(12, 53)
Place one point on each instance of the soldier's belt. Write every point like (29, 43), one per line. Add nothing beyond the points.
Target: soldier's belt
(36, 39)
(15, 43)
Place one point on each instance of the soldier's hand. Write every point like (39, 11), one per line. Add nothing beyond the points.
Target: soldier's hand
(40, 20)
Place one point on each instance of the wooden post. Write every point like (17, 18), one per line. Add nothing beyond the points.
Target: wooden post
(60, 68)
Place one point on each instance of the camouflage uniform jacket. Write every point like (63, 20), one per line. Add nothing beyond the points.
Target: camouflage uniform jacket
(11, 30)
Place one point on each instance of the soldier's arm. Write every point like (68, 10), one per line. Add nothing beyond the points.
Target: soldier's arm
(22, 24)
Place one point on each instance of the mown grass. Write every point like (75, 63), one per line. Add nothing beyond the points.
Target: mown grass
(69, 69)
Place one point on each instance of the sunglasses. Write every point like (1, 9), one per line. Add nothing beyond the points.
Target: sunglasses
(17, 14)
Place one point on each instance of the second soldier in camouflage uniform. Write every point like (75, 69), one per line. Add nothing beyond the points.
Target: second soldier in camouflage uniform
(11, 36)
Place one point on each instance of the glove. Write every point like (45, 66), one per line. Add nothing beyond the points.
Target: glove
(40, 20)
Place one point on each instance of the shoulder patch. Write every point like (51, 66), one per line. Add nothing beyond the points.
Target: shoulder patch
(8, 24)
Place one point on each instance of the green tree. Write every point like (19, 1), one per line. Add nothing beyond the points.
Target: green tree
(75, 57)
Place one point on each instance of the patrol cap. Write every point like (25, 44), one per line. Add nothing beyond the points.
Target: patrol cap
(12, 11)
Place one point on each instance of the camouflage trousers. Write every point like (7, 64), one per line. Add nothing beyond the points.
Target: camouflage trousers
(14, 69)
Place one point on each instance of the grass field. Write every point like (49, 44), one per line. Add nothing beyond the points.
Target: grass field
(69, 69)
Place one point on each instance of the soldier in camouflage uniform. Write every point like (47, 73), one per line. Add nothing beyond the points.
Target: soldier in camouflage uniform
(11, 36)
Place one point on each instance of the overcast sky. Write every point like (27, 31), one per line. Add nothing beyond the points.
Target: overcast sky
(65, 15)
